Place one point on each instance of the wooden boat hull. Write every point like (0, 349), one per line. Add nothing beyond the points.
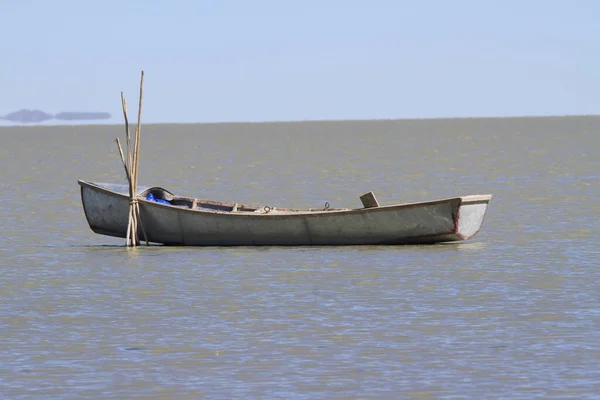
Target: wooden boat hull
(445, 220)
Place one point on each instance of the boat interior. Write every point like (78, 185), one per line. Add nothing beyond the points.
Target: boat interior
(160, 195)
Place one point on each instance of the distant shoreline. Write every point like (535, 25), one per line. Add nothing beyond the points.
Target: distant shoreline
(308, 121)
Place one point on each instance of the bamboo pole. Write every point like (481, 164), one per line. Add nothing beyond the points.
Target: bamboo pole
(137, 150)
(123, 160)
(127, 132)
(127, 165)
(131, 163)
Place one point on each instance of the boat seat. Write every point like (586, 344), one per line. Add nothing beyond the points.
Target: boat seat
(369, 200)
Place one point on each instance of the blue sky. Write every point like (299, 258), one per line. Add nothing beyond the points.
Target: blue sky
(212, 61)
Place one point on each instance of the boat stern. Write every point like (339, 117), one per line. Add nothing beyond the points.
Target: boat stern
(470, 216)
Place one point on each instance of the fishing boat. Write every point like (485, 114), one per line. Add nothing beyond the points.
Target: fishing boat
(169, 219)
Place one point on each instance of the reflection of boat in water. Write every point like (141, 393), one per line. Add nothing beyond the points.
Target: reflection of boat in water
(34, 116)
(181, 220)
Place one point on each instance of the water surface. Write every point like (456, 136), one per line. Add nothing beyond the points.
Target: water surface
(514, 312)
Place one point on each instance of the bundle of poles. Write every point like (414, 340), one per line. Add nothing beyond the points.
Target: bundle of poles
(131, 163)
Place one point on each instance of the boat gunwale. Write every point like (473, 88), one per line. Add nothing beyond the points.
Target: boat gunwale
(463, 200)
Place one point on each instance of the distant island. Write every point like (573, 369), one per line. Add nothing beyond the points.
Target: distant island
(25, 116)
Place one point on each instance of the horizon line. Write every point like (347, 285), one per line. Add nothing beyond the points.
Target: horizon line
(19, 125)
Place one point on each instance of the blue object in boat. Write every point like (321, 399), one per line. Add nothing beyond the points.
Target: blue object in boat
(151, 197)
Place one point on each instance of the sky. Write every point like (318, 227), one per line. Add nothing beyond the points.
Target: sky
(237, 61)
